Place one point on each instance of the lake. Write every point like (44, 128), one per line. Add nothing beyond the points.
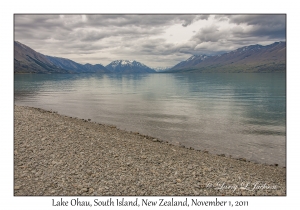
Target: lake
(241, 114)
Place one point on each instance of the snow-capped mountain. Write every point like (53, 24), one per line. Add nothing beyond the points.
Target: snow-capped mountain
(197, 57)
(128, 66)
(253, 58)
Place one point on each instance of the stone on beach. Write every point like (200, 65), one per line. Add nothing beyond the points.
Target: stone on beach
(63, 156)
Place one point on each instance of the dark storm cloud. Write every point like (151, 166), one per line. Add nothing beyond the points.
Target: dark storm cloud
(275, 32)
(269, 25)
(265, 19)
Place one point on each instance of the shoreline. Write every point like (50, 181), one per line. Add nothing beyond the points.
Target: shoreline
(61, 155)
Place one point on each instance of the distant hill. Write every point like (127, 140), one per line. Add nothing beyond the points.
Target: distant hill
(126, 66)
(27, 60)
(76, 67)
(253, 58)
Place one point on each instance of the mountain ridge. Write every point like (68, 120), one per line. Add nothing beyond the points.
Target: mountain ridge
(76, 67)
(27, 60)
(252, 58)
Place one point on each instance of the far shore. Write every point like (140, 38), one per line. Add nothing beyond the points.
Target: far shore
(65, 156)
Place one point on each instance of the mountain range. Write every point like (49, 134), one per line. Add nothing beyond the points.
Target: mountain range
(253, 58)
(27, 60)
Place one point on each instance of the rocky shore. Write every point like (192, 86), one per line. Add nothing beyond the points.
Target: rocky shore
(58, 155)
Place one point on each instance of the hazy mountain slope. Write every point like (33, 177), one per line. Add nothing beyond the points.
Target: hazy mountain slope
(96, 68)
(76, 67)
(254, 58)
(26, 60)
(192, 61)
(65, 63)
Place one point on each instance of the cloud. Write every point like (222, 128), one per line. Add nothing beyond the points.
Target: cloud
(188, 19)
(58, 26)
(229, 32)
(142, 20)
(265, 19)
(211, 33)
(143, 37)
(268, 25)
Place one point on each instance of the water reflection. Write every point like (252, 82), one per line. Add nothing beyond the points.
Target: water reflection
(236, 114)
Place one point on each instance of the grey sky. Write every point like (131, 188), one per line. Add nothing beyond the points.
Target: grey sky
(155, 40)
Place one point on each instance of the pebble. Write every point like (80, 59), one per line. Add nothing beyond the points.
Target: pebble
(64, 156)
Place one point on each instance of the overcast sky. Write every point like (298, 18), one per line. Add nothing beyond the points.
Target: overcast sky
(154, 40)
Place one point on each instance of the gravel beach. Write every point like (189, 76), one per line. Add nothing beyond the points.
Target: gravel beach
(58, 155)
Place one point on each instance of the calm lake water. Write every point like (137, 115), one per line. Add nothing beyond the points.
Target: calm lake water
(243, 115)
